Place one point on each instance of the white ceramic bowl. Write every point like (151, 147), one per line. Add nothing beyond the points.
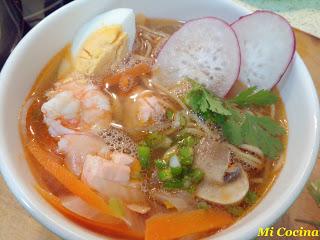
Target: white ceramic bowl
(54, 32)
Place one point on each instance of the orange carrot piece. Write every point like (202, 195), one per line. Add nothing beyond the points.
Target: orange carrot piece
(67, 179)
(179, 224)
(116, 228)
(135, 71)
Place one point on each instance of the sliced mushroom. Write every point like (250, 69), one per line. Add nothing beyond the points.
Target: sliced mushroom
(212, 157)
(232, 174)
(228, 193)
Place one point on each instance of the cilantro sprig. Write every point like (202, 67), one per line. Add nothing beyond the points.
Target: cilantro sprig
(239, 127)
(203, 102)
(263, 132)
(252, 97)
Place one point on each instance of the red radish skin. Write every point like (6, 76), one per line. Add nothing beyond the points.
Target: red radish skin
(206, 50)
(267, 44)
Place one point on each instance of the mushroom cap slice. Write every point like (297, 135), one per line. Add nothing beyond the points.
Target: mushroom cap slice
(228, 193)
(212, 157)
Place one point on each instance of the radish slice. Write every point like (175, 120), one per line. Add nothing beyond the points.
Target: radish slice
(267, 45)
(205, 50)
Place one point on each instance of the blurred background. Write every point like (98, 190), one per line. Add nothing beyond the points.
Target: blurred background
(17, 17)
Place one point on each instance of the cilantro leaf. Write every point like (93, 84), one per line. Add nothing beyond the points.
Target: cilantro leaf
(271, 126)
(251, 97)
(195, 99)
(239, 127)
(231, 128)
(255, 132)
(214, 118)
(314, 190)
(205, 103)
(215, 104)
(262, 132)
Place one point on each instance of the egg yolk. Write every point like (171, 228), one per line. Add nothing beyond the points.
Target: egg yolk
(103, 48)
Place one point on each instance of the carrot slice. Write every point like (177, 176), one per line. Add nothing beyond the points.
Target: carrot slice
(135, 71)
(179, 224)
(117, 228)
(67, 179)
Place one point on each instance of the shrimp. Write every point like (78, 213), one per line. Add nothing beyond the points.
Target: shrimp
(144, 108)
(112, 180)
(97, 170)
(76, 147)
(76, 106)
(106, 171)
(150, 109)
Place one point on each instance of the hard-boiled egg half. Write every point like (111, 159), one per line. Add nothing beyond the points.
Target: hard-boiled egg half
(103, 41)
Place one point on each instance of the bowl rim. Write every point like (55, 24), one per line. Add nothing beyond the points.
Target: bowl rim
(65, 232)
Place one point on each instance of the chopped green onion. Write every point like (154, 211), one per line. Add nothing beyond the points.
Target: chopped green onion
(186, 152)
(116, 206)
(173, 184)
(170, 114)
(186, 161)
(176, 171)
(144, 155)
(186, 155)
(197, 175)
(161, 164)
(202, 205)
(164, 175)
(186, 182)
(175, 166)
(169, 153)
(251, 198)
(174, 161)
(158, 140)
(166, 143)
(236, 211)
(154, 139)
(188, 141)
(186, 170)
(143, 143)
(191, 189)
(183, 121)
